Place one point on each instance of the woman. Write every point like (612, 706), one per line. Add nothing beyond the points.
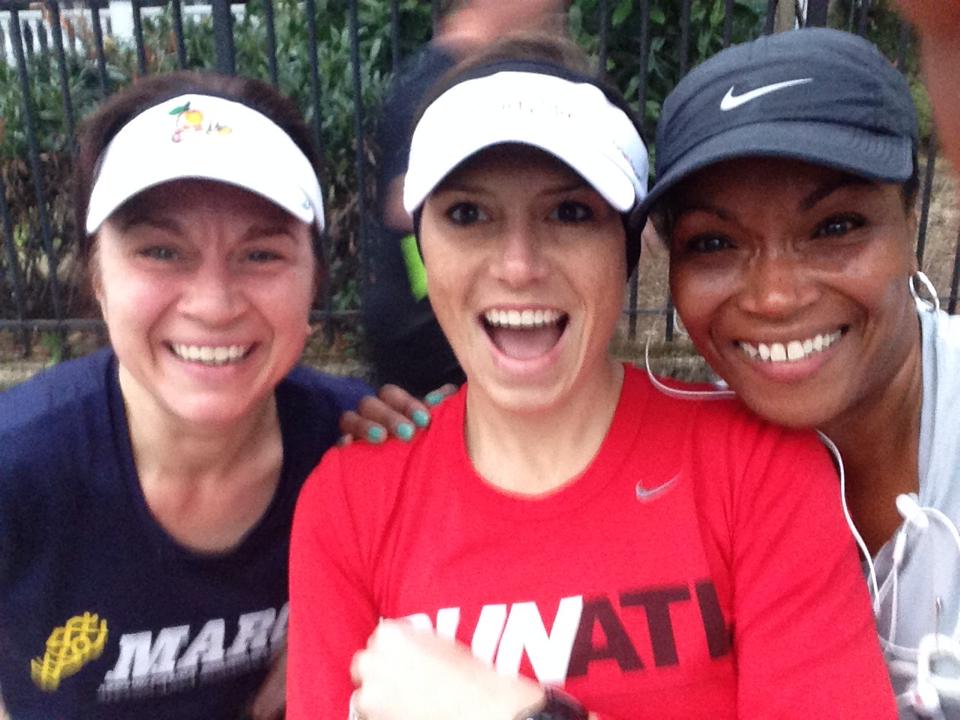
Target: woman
(561, 518)
(786, 184)
(147, 491)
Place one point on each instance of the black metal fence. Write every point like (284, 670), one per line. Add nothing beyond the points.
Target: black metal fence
(33, 45)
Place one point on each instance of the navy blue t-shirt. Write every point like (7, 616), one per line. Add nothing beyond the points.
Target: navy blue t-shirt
(102, 613)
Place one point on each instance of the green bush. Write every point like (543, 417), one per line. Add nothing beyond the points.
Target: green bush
(336, 101)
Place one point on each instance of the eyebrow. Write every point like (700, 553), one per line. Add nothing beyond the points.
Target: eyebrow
(258, 232)
(134, 218)
(828, 188)
(160, 222)
(808, 203)
(458, 186)
(681, 210)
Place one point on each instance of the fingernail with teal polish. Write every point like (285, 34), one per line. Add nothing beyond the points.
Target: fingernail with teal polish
(433, 398)
(405, 431)
(376, 434)
(421, 418)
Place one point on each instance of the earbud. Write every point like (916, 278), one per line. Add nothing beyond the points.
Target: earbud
(909, 508)
(925, 700)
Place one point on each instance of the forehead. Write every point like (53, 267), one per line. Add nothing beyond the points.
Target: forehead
(195, 195)
(511, 159)
(760, 175)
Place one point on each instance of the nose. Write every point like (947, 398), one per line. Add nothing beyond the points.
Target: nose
(213, 295)
(777, 284)
(520, 259)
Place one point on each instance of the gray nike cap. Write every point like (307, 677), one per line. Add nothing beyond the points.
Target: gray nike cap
(823, 96)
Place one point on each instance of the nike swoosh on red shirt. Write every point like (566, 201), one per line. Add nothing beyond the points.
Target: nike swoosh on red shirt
(645, 494)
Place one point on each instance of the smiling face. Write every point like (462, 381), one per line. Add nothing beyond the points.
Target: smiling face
(206, 290)
(525, 265)
(792, 282)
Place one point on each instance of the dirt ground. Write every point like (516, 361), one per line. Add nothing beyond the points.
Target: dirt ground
(678, 358)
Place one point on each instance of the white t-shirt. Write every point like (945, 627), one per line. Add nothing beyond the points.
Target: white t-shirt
(919, 601)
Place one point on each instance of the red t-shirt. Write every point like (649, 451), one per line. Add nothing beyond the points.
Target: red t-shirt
(699, 567)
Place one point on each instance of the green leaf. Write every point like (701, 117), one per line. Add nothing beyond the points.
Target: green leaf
(622, 12)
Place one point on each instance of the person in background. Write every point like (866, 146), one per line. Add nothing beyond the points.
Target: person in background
(147, 490)
(785, 189)
(408, 348)
(562, 523)
(938, 25)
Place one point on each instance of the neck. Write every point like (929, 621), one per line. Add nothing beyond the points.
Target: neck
(879, 441)
(533, 453)
(166, 448)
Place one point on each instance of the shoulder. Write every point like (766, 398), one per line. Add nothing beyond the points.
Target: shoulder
(58, 390)
(944, 329)
(698, 411)
(49, 417)
(306, 385)
(310, 404)
(369, 480)
(716, 435)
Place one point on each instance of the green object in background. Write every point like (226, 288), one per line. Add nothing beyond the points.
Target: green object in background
(416, 272)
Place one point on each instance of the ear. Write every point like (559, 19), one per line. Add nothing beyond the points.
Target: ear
(913, 225)
(95, 274)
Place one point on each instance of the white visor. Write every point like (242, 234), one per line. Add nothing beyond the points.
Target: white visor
(574, 121)
(206, 137)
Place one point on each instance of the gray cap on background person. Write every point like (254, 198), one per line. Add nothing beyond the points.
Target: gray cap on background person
(822, 96)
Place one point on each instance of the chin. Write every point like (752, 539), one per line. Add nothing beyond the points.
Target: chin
(794, 415)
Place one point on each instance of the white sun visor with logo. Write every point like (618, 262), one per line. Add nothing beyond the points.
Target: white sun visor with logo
(211, 138)
(573, 121)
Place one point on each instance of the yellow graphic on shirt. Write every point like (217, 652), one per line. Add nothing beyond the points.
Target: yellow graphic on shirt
(69, 648)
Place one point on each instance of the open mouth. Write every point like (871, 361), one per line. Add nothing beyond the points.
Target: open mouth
(213, 355)
(792, 350)
(525, 334)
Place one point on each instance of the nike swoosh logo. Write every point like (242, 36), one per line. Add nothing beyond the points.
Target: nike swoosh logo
(732, 102)
(645, 494)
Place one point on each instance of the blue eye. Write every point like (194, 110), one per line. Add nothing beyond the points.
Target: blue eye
(570, 211)
(465, 213)
(262, 256)
(838, 226)
(158, 252)
(709, 243)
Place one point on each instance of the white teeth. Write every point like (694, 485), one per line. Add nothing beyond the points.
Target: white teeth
(791, 351)
(209, 354)
(517, 319)
(794, 350)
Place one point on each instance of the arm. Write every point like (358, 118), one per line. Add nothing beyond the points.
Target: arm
(406, 674)
(804, 632)
(332, 611)
(269, 702)
(938, 24)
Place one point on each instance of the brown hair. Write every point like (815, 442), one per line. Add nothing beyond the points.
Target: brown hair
(536, 47)
(98, 129)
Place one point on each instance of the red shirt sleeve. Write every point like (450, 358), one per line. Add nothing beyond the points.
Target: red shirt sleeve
(332, 612)
(804, 632)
